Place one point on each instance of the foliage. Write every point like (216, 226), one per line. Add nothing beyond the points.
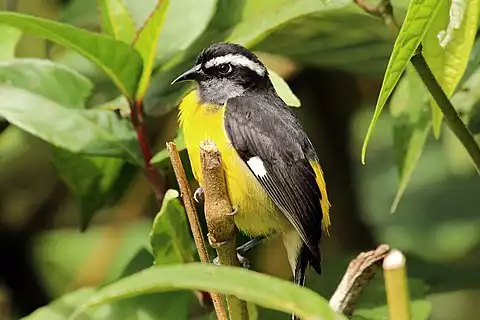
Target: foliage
(141, 48)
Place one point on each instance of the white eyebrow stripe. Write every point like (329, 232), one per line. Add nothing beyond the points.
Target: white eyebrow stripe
(236, 60)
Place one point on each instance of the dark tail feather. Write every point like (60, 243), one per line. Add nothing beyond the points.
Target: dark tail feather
(304, 259)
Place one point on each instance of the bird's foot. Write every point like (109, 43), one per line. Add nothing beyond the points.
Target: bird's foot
(198, 195)
(234, 212)
(244, 262)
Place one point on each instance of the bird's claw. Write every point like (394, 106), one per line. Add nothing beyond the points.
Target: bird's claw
(244, 262)
(234, 212)
(198, 195)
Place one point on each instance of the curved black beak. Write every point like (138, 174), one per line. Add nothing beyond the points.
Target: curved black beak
(190, 74)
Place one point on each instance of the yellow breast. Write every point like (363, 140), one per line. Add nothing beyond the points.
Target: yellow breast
(257, 215)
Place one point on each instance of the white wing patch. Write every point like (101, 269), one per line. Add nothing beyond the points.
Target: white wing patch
(236, 60)
(256, 165)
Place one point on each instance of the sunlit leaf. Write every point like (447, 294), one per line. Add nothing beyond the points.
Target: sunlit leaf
(419, 17)
(241, 22)
(263, 17)
(163, 154)
(283, 90)
(8, 42)
(177, 35)
(117, 59)
(146, 44)
(170, 237)
(456, 15)
(269, 291)
(90, 132)
(116, 20)
(51, 80)
(448, 57)
(411, 126)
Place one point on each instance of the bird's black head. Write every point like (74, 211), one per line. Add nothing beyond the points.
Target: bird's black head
(226, 70)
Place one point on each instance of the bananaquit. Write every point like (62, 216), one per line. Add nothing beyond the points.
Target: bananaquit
(272, 171)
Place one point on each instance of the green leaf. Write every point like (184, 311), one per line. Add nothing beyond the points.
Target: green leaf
(244, 22)
(419, 17)
(163, 154)
(63, 307)
(170, 237)
(90, 178)
(263, 17)
(160, 306)
(117, 59)
(283, 90)
(447, 52)
(176, 35)
(116, 20)
(80, 13)
(269, 291)
(412, 124)
(51, 80)
(8, 42)
(90, 132)
(146, 44)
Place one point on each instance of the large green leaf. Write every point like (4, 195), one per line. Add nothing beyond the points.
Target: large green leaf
(411, 126)
(283, 90)
(51, 80)
(157, 306)
(8, 42)
(177, 35)
(116, 20)
(146, 44)
(448, 56)
(80, 13)
(244, 22)
(90, 178)
(268, 291)
(140, 10)
(262, 17)
(117, 59)
(91, 132)
(170, 236)
(419, 17)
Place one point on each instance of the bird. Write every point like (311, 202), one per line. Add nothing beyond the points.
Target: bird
(273, 174)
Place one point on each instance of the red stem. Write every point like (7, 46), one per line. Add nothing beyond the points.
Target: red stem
(136, 116)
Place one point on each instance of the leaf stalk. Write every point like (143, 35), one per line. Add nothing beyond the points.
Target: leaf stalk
(451, 115)
(138, 123)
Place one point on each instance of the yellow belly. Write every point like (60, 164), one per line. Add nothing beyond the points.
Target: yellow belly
(257, 215)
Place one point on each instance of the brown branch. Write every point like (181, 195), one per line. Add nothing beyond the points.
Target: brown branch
(359, 272)
(221, 225)
(192, 216)
(136, 117)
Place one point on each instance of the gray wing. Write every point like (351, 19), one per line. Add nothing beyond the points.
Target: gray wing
(264, 129)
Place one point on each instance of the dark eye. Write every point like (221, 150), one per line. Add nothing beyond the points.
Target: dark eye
(225, 68)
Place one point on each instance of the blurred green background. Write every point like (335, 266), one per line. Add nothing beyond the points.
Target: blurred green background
(334, 63)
